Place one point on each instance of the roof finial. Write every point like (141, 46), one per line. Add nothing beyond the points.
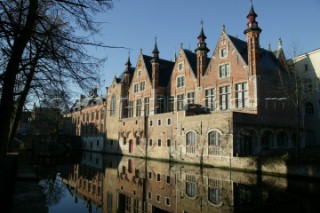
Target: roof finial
(280, 44)
(128, 64)
(181, 45)
(140, 50)
(269, 47)
(223, 28)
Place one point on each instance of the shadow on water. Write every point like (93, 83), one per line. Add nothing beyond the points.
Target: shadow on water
(109, 183)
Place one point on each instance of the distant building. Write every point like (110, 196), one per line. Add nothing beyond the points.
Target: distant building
(307, 67)
(201, 109)
(86, 118)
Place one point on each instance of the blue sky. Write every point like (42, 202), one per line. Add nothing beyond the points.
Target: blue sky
(135, 24)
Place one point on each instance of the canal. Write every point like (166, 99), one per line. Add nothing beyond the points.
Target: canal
(93, 182)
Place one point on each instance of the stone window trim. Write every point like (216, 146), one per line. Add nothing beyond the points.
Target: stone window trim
(180, 66)
(180, 81)
(223, 52)
(169, 121)
(224, 70)
(159, 122)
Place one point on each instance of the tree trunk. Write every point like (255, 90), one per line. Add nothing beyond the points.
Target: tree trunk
(7, 97)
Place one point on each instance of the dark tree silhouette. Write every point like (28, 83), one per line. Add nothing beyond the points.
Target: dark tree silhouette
(41, 50)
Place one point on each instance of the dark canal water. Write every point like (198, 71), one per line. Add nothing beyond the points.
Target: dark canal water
(93, 182)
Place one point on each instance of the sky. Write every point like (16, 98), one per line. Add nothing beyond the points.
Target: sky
(135, 24)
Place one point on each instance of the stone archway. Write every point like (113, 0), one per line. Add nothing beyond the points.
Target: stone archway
(247, 142)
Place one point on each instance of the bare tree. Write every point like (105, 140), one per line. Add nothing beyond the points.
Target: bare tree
(40, 49)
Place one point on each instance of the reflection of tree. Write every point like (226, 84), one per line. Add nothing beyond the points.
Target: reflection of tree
(54, 190)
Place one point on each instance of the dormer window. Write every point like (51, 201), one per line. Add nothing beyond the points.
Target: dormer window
(223, 52)
(180, 66)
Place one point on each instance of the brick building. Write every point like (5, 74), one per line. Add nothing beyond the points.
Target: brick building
(86, 118)
(202, 109)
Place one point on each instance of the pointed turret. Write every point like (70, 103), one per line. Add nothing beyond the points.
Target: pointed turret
(155, 66)
(202, 45)
(202, 53)
(155, 52)
(253, 32)
(127, 76)
(128, 64)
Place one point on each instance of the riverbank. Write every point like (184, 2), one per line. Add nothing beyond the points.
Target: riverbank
(20, 191)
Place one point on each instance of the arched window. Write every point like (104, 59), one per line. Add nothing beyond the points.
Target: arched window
(309, 108)
(214, 143)
(248, 142)
(113, 105)
(267, 140)
(282, 139)
(214, 195)
(191, 186)
(295, 140)
(191, 142)
(214, 138)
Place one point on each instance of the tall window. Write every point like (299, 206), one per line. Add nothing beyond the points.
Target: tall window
(191, 187)
(171, 104)
(309, 108)
(190, 96)
(142, 85)
(180, 66)
(138, 107)
(214, 138)
(128, 203)
(307, 85)
(242, 95)
(113, 105)
(214, 195)
(146, 106)
(224, 70)
(225, 97)
(130, 109)
(135, 88)
(214, 142)
(180, 81)
(191, 142)
(180, 102)
(223, 52)
(210, 99)
(160, 104)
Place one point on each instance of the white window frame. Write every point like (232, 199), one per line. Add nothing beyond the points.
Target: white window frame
(223, 52)
(224, 70)
(180, 81)
(142, 85)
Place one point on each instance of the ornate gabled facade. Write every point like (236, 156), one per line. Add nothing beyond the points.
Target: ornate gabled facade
(203, 110)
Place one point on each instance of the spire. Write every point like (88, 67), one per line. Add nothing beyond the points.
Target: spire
(155, 52)
(202, 35)
(252, 25)
(280, 44)
(128, 64)
(202, 45)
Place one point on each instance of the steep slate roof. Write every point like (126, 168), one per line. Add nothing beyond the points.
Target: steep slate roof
(241, 46)
(165, 70)
(267, 58)
(192, 58)
(92, 99)
(131, 71)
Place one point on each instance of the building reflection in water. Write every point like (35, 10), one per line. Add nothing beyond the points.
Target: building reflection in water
(121, 184)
